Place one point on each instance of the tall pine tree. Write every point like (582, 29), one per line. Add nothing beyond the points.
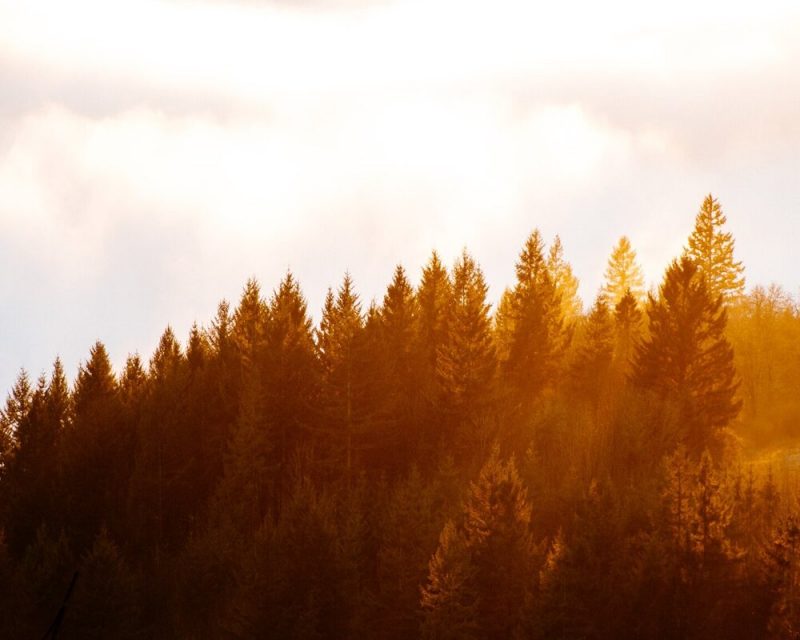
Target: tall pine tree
(687, 361)
(623, 274)
(712, 251)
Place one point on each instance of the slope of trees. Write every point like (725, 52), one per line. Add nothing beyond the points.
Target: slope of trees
(424, 466)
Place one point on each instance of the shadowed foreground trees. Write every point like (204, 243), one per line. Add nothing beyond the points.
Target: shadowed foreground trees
(425, 465)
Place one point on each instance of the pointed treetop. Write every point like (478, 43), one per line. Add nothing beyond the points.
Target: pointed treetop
(712, 251)
(531, 265)
(167, 354)
(95, 377)
(623, 274)
(565, 282)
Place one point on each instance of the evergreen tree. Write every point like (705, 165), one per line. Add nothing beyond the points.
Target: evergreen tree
(339, 348)
(292, 374)
(481, 572)
(467, 360)
(96, 456)
(433, 303)
(687, 360)
(537, 341)
(627, 333)
(565, 282)
(590, 369)
(623, 274)
(14, 412)
(393, 357)
(712, 250)
(33, 477)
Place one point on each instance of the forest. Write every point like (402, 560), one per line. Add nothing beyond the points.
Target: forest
(424, 466)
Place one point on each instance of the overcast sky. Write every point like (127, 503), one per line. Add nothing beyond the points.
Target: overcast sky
(155, 154)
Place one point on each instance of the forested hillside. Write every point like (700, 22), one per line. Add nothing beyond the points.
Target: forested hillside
(425, 465)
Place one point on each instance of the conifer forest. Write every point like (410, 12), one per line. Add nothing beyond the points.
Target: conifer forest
(429, 465)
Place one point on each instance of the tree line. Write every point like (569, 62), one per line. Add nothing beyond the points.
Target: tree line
(423, 466)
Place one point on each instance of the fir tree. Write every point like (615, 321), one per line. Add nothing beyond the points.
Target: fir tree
(627, 333)
(292, 374)
(339, 347)
(712, 250)
(11, 416)
(467, 359)
(687, 360)
(565, 283)
(590, 369)
(623, 274)
(433, 303)
(481, 572)
(537, 341)
(95, 456)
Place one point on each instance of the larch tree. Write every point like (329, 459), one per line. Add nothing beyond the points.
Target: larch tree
(711, 249)
(687, 361)
(565, 282)
(623, 274)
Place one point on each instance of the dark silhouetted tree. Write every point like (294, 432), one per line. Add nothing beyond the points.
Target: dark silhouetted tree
(687, 360)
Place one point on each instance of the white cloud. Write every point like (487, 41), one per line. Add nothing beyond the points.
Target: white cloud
(155, 154)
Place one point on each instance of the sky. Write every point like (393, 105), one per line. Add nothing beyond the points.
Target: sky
(156, 154)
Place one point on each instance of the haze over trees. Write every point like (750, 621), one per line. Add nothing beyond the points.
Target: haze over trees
(424, 466)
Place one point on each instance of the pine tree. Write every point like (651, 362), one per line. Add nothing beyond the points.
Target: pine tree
(17, 407)
(396, 363)
(565, 282)
(627, 333)
(96, 457)
(292, 374)
(33, 475)
(467, 360)
(433, 302)
(712, 250)
(481, 572)
(623, 274)
(590, 369)
(687, 360)
(537, 342)
(339, 348)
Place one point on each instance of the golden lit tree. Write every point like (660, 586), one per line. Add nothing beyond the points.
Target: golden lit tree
(712, 251)
(623, 274)
(565, 282)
